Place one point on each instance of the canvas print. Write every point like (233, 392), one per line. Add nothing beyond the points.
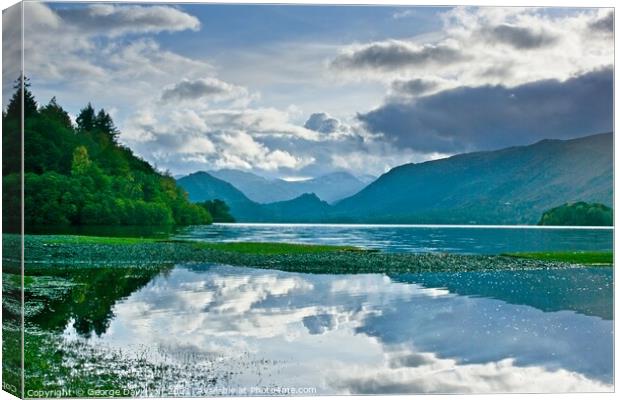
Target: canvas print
(207, 200)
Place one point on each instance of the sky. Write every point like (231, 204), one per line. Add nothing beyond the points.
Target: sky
(301, 91)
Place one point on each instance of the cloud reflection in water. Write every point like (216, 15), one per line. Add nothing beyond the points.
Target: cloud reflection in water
(366, 333)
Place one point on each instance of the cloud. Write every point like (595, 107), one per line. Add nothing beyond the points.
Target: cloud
(243, 152)
(415, 87)
(62, 49)
(403, 14)
(262, 122)
(11, 50)
(395, 54)
(409, 346)
(495, 116)
(320, 324)
(115, 20)
(203, 88)
(520, 37)
(108, 53)
(322, 122)
(487, 46)
(604, 23)
(181, 138)
(431, 374)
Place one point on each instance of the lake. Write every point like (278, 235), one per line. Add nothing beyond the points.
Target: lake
(232, 329)
(203, 329)
(413, 238)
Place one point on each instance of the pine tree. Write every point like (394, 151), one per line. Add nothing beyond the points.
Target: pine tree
(103, 123)
(86, 119)
(13, 110)
(55, 112)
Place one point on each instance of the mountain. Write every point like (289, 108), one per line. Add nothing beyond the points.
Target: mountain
(366, 178)
(257, 188)
(202, 186)
(509, 186)
(331, 187)
(305, 208)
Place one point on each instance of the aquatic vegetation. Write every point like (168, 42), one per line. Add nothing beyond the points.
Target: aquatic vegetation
(43, 252)
(575, 257)
(77, 367)
(11, 354)
(274, 248)
(78, 239)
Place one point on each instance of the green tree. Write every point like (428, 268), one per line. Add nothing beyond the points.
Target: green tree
(12, 125)
(104, 124)
(86, 178)
(81, 162)
(578, 214)
(86, 119)
(219, 210)
(56, 113)
(14, 108)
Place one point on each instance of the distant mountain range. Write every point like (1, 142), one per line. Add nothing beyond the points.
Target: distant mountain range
(202, 186)
(331, 187)
(509, 186)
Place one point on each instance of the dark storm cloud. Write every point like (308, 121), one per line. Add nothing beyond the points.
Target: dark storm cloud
(519, 37)
(414, 87)
(394, 54)
(321, 122)
(604, 24)
(491, 117)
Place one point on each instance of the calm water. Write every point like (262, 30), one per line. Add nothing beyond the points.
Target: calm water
(207, 329)
(532, 331)
(393, 238)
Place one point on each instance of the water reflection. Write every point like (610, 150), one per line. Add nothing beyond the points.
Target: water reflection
(411, 239)
(366, 333)
(83, 297)
(587, 291)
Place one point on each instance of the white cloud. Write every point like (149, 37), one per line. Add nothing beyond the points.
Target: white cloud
(418, 372)
(364, 333)
(242, 151)
(490, 45)
(188, 138)
(403, 14)
(182, 111)
(176, 122)
(115, 20)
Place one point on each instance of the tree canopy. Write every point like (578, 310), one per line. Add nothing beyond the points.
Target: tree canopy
(578, 214)
(82, 175)
(219, 210)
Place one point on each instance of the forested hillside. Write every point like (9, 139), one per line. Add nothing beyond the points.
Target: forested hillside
(79, 174)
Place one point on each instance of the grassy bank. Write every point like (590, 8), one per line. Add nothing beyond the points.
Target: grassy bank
(43, 251)
(573, 257)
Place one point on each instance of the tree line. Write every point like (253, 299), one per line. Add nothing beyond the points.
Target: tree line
(79, 174)
(578, 214)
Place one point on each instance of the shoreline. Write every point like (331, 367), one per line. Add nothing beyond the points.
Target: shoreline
(429, 226)
(67, 251)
